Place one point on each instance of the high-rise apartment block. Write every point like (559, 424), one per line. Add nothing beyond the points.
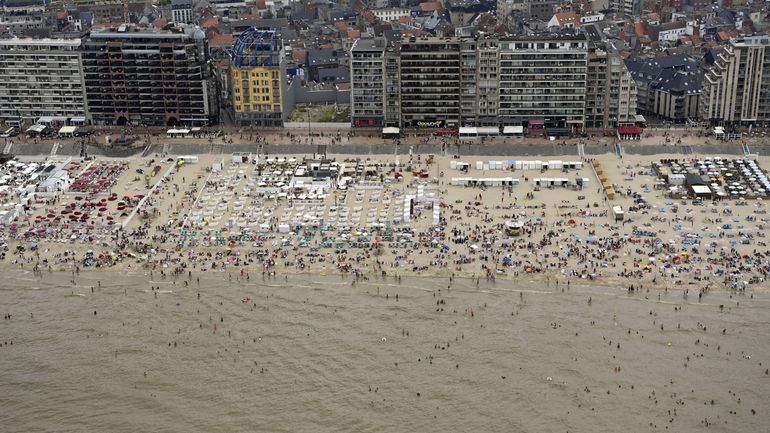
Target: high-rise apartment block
(146, 76)
(430, 82)
(611, 97)
(480, 81)
(452, 82)
(41, 77)
(367, 73)
(543, 79)
(257, 79)
(736, 88)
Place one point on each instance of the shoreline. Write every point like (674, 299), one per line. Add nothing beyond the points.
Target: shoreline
(543, 279)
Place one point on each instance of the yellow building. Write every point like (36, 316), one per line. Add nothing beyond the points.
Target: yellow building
(256, 93)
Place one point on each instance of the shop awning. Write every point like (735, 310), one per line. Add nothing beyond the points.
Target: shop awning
(468, 130)
(538, 123)
(517, 129)
(67, 130)
(629, 130)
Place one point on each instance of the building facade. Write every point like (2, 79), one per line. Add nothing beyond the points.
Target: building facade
(627, 7)
(391, 14)
(736, 88)
(148, 77)
(41, 77)
(20, 16)
(479, 82)
(543, 80)
(669, 87)
(430, 82)
(367, 83)
(610, 90)
(182, 11)
(257, 80)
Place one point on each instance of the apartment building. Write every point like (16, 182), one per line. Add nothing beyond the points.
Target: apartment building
(543, 81)
(736, 88)
(257, 79)
(627, 7)
(147, 76)
(367, 81)
(669, 87)
(182, 11)
(106, 11)
(392, 115)
(391, 14)
(430, 82)
(41, 77)
(611, 93)
(20, 16)
(479, 76)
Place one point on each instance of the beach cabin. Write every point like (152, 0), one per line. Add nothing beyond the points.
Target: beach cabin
(240, 158)
(618, 213)
(572, 165)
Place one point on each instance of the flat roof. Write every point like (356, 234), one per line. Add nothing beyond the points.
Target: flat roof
(516, 129)
(30, 42)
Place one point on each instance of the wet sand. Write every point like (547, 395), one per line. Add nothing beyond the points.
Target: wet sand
(310, 353)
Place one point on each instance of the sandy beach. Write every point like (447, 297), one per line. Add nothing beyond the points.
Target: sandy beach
(168, 218)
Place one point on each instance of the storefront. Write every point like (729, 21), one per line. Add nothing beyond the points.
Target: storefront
(367, 122)
(629, 133)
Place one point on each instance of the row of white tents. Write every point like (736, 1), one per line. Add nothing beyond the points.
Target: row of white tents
(517, 164)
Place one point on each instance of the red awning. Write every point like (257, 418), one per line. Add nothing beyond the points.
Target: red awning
(536, 122)
(629, 130)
